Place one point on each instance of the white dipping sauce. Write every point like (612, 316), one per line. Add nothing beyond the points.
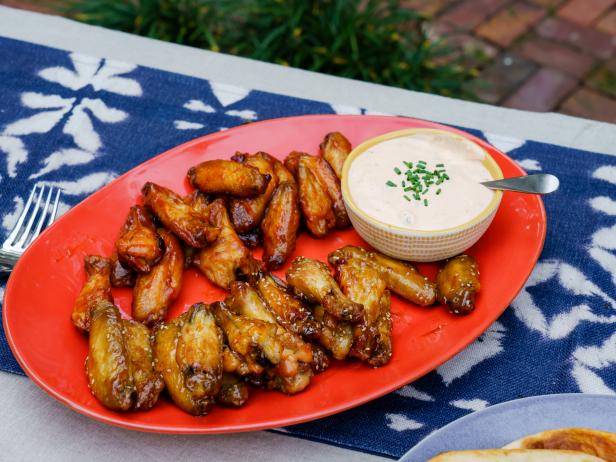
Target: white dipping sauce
(460, 199)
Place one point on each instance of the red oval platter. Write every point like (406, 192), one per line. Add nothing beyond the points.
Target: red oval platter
(41, 291)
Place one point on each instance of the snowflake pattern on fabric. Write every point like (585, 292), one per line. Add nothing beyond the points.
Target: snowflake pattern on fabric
(77, 122)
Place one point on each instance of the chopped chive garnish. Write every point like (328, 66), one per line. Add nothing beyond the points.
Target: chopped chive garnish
(419, 179)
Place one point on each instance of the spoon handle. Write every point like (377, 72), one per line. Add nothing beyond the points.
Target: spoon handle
(540, 183)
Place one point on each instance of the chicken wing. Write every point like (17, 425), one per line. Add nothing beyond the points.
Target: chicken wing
(372, 335)
(139, 246)
(400, 277)
(234, 363)
(253, 339)
(155, 291)
(233, 392)
(335, 335)
(120, 275)
(335, 148)
(290, 384)
(327, 180)
(179, 216)
(246, 213)
(246, 301)
(251, 239)
(283, 174)
(166, 340)
(457, 283)
(228, 177)
(320, 359)
(313, 280)
(96, 288)
(331, 183)
(280, 225)
(290, 312)
(227, 257)
(199, 352)
(316, 205)
(108, 365)
(147, 381)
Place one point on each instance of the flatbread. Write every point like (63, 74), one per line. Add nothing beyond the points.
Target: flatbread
(593, 442)
(515, 455)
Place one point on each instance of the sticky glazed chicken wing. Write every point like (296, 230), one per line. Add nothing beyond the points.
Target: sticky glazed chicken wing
(108, 364)
(246, 301)
(320, 194)
(457, 284)
(234, 363)
(313, 280)
(139, 246)
(199, 352)
(335, 148)
(247, 213)
(280, 225)
(155, 291)
(289, 312)
(254, 340)
(335, 335)
(228, 177)
(147, 381)
(316, 205)
(251, 239)
(331, 183)
(372, 335)
(121, 275)
(96, 288)
(228, 257)
(233, 392)
(400, 277)
(179, 216)
(188, 353)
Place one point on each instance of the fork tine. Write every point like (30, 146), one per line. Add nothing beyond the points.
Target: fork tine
(54, 211)
(24, 236)
(20, 221)
(41, 220)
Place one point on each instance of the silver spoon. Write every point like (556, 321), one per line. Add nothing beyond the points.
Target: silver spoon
(540, 183)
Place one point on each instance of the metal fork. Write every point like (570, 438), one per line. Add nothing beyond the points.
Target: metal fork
(38, 213)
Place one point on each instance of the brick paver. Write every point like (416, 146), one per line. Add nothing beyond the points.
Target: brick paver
(546, 3)
(468, 14)
(603, 79)
(598, 43)
(592, 105)
(427, 7)
(542, 91)
(555, 55)
(584, 12)
(543, 55)
(510, 23)
(608, 23)
(502, 77)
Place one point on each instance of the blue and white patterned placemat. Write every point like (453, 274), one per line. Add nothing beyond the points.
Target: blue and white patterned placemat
(78, 122)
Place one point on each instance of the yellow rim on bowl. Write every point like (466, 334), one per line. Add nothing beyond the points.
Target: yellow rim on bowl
(488, 162)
